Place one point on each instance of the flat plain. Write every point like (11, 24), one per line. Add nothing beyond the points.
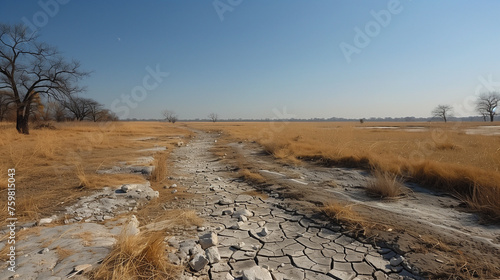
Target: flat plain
(425, 191)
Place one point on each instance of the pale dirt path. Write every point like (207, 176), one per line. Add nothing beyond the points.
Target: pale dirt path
(291, 243)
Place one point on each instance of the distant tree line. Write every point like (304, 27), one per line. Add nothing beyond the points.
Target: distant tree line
(72, 108)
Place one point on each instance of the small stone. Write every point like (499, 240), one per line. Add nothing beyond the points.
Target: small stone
(201, 229)
(198, 262)
(126, 188)
(45, 221)
(213, 255)
(227, 212)
(174, 186)
(237, 225)
(256, 273)
(239, 245)
(395, 261)
(242, 212)
(43, 251)
(225, 201)
(243, 219)
(208, 240)
(264, 232)
(439, 261)
(174, 259)
(174, 191)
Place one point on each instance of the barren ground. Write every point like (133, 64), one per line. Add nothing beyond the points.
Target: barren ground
(431, 229)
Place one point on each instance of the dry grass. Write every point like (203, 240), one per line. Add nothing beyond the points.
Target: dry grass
(344, 214)
(160, 167)
(52, 165)
(140, 256)
(251, 176)
(437, 156)
(63, 253)
(385, 185)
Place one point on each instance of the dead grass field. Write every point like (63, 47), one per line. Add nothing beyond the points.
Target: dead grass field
(56, 166)
(436, 155)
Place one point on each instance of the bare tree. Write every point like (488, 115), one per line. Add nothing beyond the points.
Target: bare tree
(213, 117)
(170, 116)
(106, 115)
(28, 67)
(442, 111)
(80, 108)
(487, 104)
(57, 111)
(6, 100)
(96, 111)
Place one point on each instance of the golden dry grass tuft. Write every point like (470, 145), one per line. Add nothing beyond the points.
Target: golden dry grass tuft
(251, 176)
(160, 167)
(385, 185)
(138, 257)
(63, 253)
(344, 214)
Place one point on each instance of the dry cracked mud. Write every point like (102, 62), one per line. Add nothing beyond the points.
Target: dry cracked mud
(268, 232)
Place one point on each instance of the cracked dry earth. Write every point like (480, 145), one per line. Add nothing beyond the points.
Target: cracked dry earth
(265, 238)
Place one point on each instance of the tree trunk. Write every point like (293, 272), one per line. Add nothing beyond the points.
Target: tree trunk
(444, 117)
(491, 117)
(22, 119)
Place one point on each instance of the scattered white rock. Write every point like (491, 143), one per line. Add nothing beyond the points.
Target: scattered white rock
(132, 228)
(242, 212)
(43, 251)
(256, 273)
(239, 245)
(208, 240)
(174, 191)
(213, 255)
(395, 261)
(225, 201)
(45, 221)
(198, 262)
(243, 219)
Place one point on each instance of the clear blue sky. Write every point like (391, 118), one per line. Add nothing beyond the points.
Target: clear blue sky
(266, 55)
